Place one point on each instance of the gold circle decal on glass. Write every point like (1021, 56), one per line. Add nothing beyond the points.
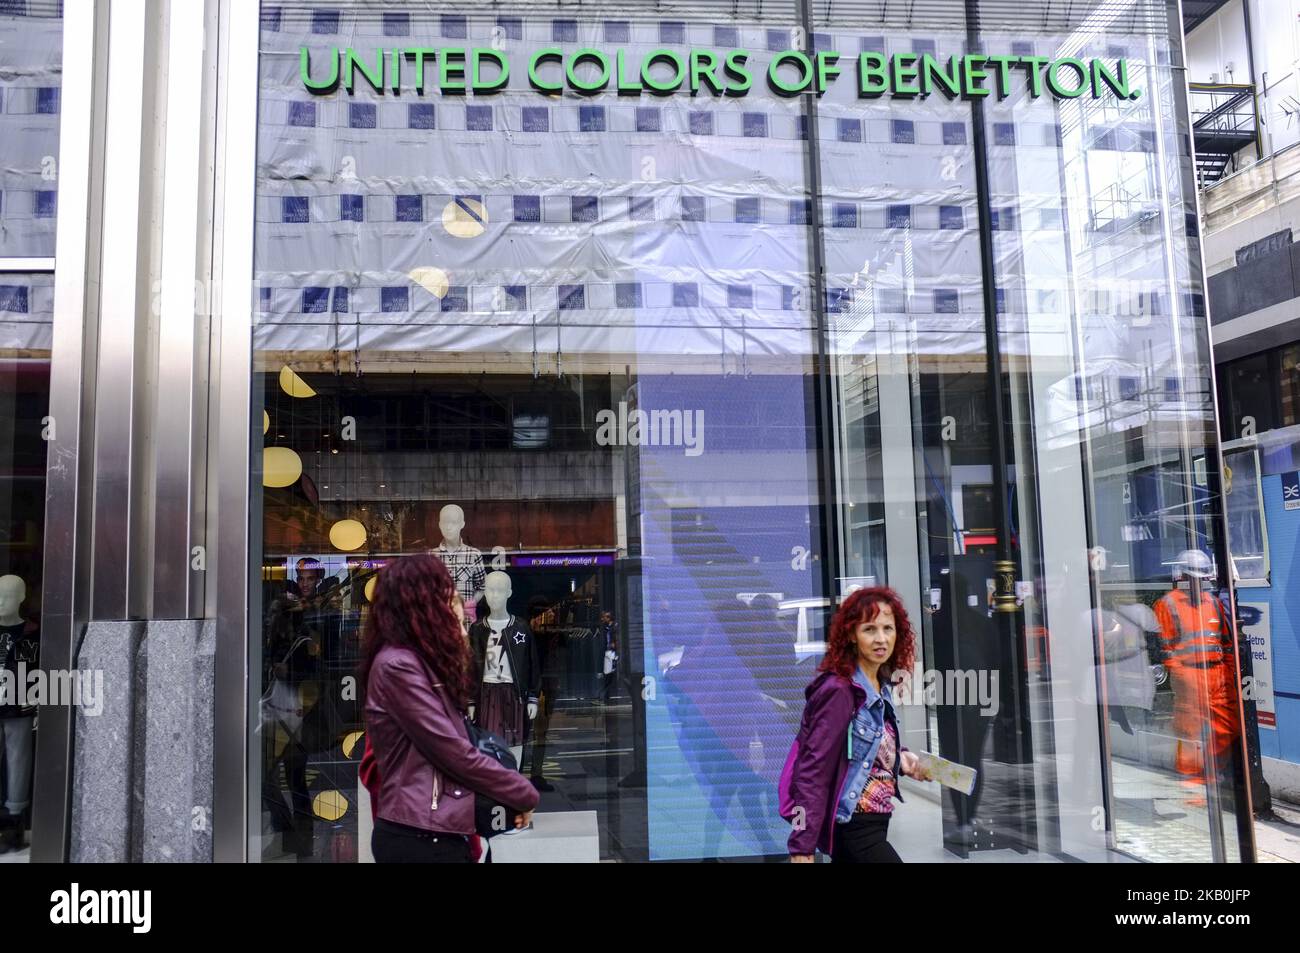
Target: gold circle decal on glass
(464, 217)
(370, 588)
(330, 805)
(432, 280)
(347, 535)
(280, 467)
(350, 742)
(293, 385)
(266, 421)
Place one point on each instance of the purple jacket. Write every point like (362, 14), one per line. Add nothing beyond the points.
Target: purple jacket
(817, 774)
(428, 770)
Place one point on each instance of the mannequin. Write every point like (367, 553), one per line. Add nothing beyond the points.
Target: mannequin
(18, 646)
(464, 562)
(506, 666)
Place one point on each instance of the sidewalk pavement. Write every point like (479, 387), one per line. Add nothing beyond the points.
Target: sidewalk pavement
(1278, 841)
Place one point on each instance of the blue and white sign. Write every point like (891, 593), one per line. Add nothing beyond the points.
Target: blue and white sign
(1291, 490)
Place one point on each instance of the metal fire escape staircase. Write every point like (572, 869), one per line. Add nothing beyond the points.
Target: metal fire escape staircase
(1224, 122)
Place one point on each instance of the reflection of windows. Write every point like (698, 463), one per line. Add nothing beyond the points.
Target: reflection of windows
(1004, 134)
(420, 116)
(872, 44)
(528, 208)
(264, 299)
(838, 300)
(849, 130)
(584, 208)
(410, 208)
(641, 209)
(898, 216)
(340, 300)
(572, 297)
(564, 31)
(800, 211)
(755, 125)
(1003, 219)
(270, 19)
(902, 132)
(701, 123)
(394, 298)
(627, 295)
(946, 301)
(672, 31)
(1000, 300)
(514, 297)
(822, 42)
(617, 31)
(922, 47)
(293, 209)
(315, 300)
(352, 208)
(740, 296)
(791, 299)
(954, 134)
(324, 21)
(455, 301)
(361, 115)
(47, 100)
(777, 40)
(591, 118)
(844, 215)
(397, 24)
(692, 208)
(1022, 48)
(455, 27)
(952, 217)
(46, 203)
(1129, 388)
(647, 119)
(302, 114)
(478, 118)
(726, 37)
(747, 211)
(536, 119)
(686, 294)
(891, 300)
(801, 128)
(512, 28)
(13, 298)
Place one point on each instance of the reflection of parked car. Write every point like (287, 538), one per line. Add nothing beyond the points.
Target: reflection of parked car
(810, 619)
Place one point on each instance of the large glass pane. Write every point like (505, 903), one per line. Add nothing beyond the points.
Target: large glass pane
(564, 338)
(31, 58)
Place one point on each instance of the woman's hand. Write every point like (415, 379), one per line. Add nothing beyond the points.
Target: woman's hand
(801, 858)
(524, 819)
(911, 766)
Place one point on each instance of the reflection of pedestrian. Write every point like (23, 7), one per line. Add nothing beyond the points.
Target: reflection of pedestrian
(607, 638)
(1202, 672)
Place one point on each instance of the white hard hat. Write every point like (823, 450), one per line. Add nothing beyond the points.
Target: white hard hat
(1193, 563)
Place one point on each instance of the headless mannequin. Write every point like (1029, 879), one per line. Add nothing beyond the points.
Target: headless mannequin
(465, 562)
(12, 593)
(497, 591)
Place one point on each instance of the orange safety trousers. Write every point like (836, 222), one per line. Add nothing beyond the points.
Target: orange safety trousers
(1203, 675)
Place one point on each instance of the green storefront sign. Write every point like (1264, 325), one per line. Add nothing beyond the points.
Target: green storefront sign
(478, 71)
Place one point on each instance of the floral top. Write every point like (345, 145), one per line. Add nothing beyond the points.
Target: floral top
(878, 795)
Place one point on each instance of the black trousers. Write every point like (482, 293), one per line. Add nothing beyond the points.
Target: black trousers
(861, 840)
(398, 844)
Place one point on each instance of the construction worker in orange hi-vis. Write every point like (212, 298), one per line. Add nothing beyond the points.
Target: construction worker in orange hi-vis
(1198, 646)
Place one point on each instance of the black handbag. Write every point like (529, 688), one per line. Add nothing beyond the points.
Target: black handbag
(491, 817)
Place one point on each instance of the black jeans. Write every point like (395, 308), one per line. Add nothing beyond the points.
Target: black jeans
(398, 844)
(861, 840)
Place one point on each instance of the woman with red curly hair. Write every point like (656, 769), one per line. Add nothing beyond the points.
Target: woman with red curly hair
(416, 682)
(842, 773)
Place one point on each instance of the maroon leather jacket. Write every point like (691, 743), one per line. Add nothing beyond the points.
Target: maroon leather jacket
(428, 770)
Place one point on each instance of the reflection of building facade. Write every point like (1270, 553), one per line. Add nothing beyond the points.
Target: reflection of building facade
(1242, 64)
(702, 363)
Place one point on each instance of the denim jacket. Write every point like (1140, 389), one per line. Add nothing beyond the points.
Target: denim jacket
(865, 734)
